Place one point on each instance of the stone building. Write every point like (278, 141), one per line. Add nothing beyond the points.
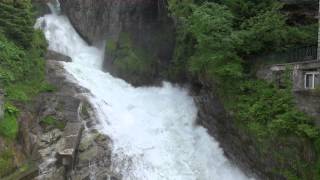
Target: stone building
(305, 76)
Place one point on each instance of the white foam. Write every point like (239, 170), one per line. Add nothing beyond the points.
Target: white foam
(153, 128)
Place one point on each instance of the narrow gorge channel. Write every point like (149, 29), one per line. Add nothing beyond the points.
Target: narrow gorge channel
(153, 129)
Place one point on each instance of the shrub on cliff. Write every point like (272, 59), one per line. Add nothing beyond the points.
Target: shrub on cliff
(17, 21)
(9, 125)
(211, 27)
(21, 71)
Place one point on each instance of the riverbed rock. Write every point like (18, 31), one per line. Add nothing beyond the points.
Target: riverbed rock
(69, 106)
(94, 157)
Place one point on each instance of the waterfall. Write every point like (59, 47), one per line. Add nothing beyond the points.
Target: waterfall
(54, 6)
(153, 129)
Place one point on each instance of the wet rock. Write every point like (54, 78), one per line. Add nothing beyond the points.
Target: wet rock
(28, 139)
(50, 137)
(86, 156)
(54, 174)
(53, 55)
(71, 139)
(41, 7)
(69, 152)
(94, 157)
(87, 141)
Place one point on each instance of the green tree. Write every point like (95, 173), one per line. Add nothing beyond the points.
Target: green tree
(211, 26)
(17, 21)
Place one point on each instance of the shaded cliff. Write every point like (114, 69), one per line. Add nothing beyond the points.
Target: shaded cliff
(275, 158)
(139, 30)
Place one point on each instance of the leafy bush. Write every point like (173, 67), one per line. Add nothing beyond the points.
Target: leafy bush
(9, 126)
(21, 54)
(211, 26)
(17, 21)
(6, 162)
(262, 103)
(21, 70)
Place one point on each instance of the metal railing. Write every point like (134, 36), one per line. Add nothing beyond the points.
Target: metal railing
(298, 54)
(303, 54)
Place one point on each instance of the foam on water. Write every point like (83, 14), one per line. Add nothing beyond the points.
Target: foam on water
(153, 128)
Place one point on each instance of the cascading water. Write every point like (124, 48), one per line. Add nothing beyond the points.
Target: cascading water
(153, 128)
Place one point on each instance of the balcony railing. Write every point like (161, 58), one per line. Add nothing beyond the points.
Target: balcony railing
(300, 54)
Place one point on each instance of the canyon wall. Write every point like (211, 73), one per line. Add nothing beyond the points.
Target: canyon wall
(130, 29)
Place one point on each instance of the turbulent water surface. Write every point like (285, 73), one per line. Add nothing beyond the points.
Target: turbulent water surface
(153, 128)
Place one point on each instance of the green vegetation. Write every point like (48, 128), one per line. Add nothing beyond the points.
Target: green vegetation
(6, 162)
(27, 168)
(9, 126)
(21, 72)
(22, 51)
(50, 121)
(214, 43)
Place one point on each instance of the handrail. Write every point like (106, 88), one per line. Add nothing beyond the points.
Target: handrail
(298, 54)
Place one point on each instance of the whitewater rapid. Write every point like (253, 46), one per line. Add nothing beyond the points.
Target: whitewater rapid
(152, 128)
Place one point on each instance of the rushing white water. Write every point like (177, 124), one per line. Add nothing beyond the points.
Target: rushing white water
(153, 128)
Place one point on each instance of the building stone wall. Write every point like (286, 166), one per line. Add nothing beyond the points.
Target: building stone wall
(307, 100)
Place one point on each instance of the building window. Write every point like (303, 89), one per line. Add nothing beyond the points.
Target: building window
(311, 80)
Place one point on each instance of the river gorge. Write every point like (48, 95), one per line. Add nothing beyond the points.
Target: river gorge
(153, 129)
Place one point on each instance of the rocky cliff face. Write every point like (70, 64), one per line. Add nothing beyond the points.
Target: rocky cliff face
(51, 126)
(131, 29)
(241, 148)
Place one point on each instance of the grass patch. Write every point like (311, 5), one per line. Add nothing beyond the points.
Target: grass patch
(25, 169)
(9, 126)
(50, 121)
(46, 87)
(6, 162)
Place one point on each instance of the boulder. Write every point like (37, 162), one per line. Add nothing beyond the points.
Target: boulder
(94, 157)
(71, 138)
(53, 55)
